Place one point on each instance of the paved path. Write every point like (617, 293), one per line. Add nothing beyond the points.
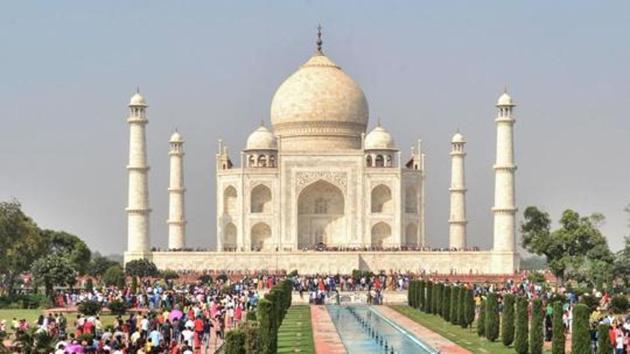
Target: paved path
(325, 336)
(433, 339)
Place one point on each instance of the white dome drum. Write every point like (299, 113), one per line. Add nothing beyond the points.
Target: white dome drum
(319, 107)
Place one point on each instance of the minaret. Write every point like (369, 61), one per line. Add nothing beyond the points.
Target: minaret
(504, 204)
(138, 203)
(176, 215)
(457, 220)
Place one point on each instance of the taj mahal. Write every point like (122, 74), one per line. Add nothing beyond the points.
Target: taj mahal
(316, 191)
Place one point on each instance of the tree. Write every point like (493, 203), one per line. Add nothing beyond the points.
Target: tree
(114, 276)
(421, 295)
(621, 266)
(580, 336)
(446, 303)
(492, 317)
(507, 320)
(437, 304)
(521, 330)
(536, 328)
(264, 313)
(20, 243)
(469, 308)
(63, 244)
(577, 247)
(99, 265)
(252, 335)
(141, 268)
(411, 294)
(481, 322)
(557, 331)
(461, 291)
(453, 311)
(603, 340)
(52, 271)
(428, 305)
(235, 342)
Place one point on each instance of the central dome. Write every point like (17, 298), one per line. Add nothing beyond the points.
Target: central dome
(319, 107)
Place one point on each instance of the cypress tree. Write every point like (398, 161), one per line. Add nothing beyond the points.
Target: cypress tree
(507, 320)
(492, 317)
(536, 328)
(470, 309)
(557, 331)
(437, 307)
(428, 301)
(411, 296)
(603, 340)
(461, 311)
(235, 342)
(481, 322)
(521, 330)
(453, 310)
(421, 295)
(580, 336)
(466, 308)
(264, 313)
(446, 302)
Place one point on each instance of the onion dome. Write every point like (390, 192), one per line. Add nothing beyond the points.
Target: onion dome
(137, 100)
(261, 139)
(379, 139)
(176, 138)
(319, 107)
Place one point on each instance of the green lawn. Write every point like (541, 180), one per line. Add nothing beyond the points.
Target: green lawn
(32, 315)
(296, 333)
(466, 338)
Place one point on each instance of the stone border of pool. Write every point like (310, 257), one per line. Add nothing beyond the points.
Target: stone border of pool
(427, 336)
(325, 335)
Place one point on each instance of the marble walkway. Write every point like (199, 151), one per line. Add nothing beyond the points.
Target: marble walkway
(431, 338)
(325, 336)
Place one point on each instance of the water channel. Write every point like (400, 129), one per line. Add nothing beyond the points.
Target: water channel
(363, 330)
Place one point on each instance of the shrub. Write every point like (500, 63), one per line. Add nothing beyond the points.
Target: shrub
(251, 316)
(492, 317)
(141, 268)
(589, 300)
(114, 276)
(437, 298)
(603, 340)
(507, 320)
(536, 328)
(169, 274)
(264, 314)
(469, 308)
(446, 303)
(580, 335)
(619, 304)
(251, 329)
(89, 308)
(411, 296)
(428, 305)
(481, 322)
(557, 331)
(453, 310)
(205, 279)
(521, 330)
(117, 307)
(235, 342)
(461, 292)
(421, 295)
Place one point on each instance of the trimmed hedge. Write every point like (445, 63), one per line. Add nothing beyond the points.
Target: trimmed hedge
(461, 291)
(264, 313)
(536, 328)
(492, 317)
(411, 294)
(469, 308)
(557, 331)
(428, 305)
(421, 295)
(453, 311)
(446, 303)
(481, 322)
(603, 340)
(437, 299)
(521, 330)
(580, 334)
(234, 341)
(507, 320)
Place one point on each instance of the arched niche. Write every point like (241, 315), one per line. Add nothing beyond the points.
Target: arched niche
(260, 201)
(382, 199)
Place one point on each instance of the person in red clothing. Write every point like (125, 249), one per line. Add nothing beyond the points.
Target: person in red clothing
(199, 327)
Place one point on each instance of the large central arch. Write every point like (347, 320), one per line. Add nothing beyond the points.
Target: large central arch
(321, 215)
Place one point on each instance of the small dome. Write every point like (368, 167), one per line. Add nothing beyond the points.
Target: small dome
(458, 138)
(176, 138)
(261, 139)
(137, 100)
(379, 139)
(505, 100)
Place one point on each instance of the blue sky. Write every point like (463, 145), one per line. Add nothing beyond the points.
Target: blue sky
(68, 68)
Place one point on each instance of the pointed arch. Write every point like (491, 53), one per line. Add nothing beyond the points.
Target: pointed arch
(230, 201)
(411, 234)
(381, 234)
(261, 237)
(382, 199)
(229, 237)
(411, 199)
(260, 200)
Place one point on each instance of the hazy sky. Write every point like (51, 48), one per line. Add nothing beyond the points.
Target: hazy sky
(68, 68)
